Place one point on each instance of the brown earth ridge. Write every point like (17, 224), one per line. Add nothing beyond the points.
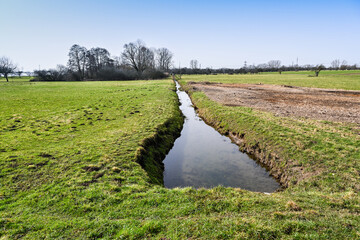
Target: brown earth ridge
(288, 101)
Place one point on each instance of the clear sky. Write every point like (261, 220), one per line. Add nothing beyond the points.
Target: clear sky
(222, 33)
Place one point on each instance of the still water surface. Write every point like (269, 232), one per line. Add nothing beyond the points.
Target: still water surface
(202, 157)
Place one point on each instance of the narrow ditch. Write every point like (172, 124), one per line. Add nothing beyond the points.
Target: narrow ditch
(202, 157)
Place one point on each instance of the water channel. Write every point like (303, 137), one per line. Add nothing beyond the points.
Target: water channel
(202, 157)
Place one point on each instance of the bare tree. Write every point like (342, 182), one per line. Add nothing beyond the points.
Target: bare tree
(62, 69)
(343, 65)
(77, 60)
(96, 59)
(262, 66)
(318, 68)
(7, 67)
(275, 64)
(194, 64)
(19, 72)
(335, 64)
(138, 56)
(163, 59)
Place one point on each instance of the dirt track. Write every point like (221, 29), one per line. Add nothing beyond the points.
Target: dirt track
(323, 104)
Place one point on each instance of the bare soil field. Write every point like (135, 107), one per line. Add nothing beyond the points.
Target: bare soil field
(314, 103)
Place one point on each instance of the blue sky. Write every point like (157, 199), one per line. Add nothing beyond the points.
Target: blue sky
(216, 33)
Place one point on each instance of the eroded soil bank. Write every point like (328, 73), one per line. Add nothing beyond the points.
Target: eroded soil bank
(314, 103)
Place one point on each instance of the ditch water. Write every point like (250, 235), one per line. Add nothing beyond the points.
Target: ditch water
(202, 157)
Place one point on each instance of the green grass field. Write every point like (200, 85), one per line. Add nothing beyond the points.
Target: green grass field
(70, 153)
(348, 80)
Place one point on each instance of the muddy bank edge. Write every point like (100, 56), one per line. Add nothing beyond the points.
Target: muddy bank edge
(153, 150)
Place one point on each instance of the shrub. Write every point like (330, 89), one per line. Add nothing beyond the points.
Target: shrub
(116, 74)
(153, 74)
(49, 75)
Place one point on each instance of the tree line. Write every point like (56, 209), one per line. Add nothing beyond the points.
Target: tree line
(271, 66)
(140, 62)
(135, 62)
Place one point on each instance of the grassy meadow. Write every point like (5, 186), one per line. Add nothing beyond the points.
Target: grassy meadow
(78, 160)
(348, 80)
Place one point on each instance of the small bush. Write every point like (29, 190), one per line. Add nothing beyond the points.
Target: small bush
(116, 74)
(153, 74)
(49, 75)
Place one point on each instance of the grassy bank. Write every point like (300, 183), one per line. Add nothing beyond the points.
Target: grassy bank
(320, 155)
(70, 168)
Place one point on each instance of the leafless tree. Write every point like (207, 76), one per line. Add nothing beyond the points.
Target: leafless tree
(318, 68)
(262, 66)
(77, 60)
(6, 67)
(163, 59)
(343, 65)
(308, 66)
(96, 59)
(61, 69)
(138, 56)
(274, 64)
(194, 64)
(19, 72)
(335, 64)
(117, 61)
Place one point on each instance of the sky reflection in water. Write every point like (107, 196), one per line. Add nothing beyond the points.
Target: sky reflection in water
(202, 157)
